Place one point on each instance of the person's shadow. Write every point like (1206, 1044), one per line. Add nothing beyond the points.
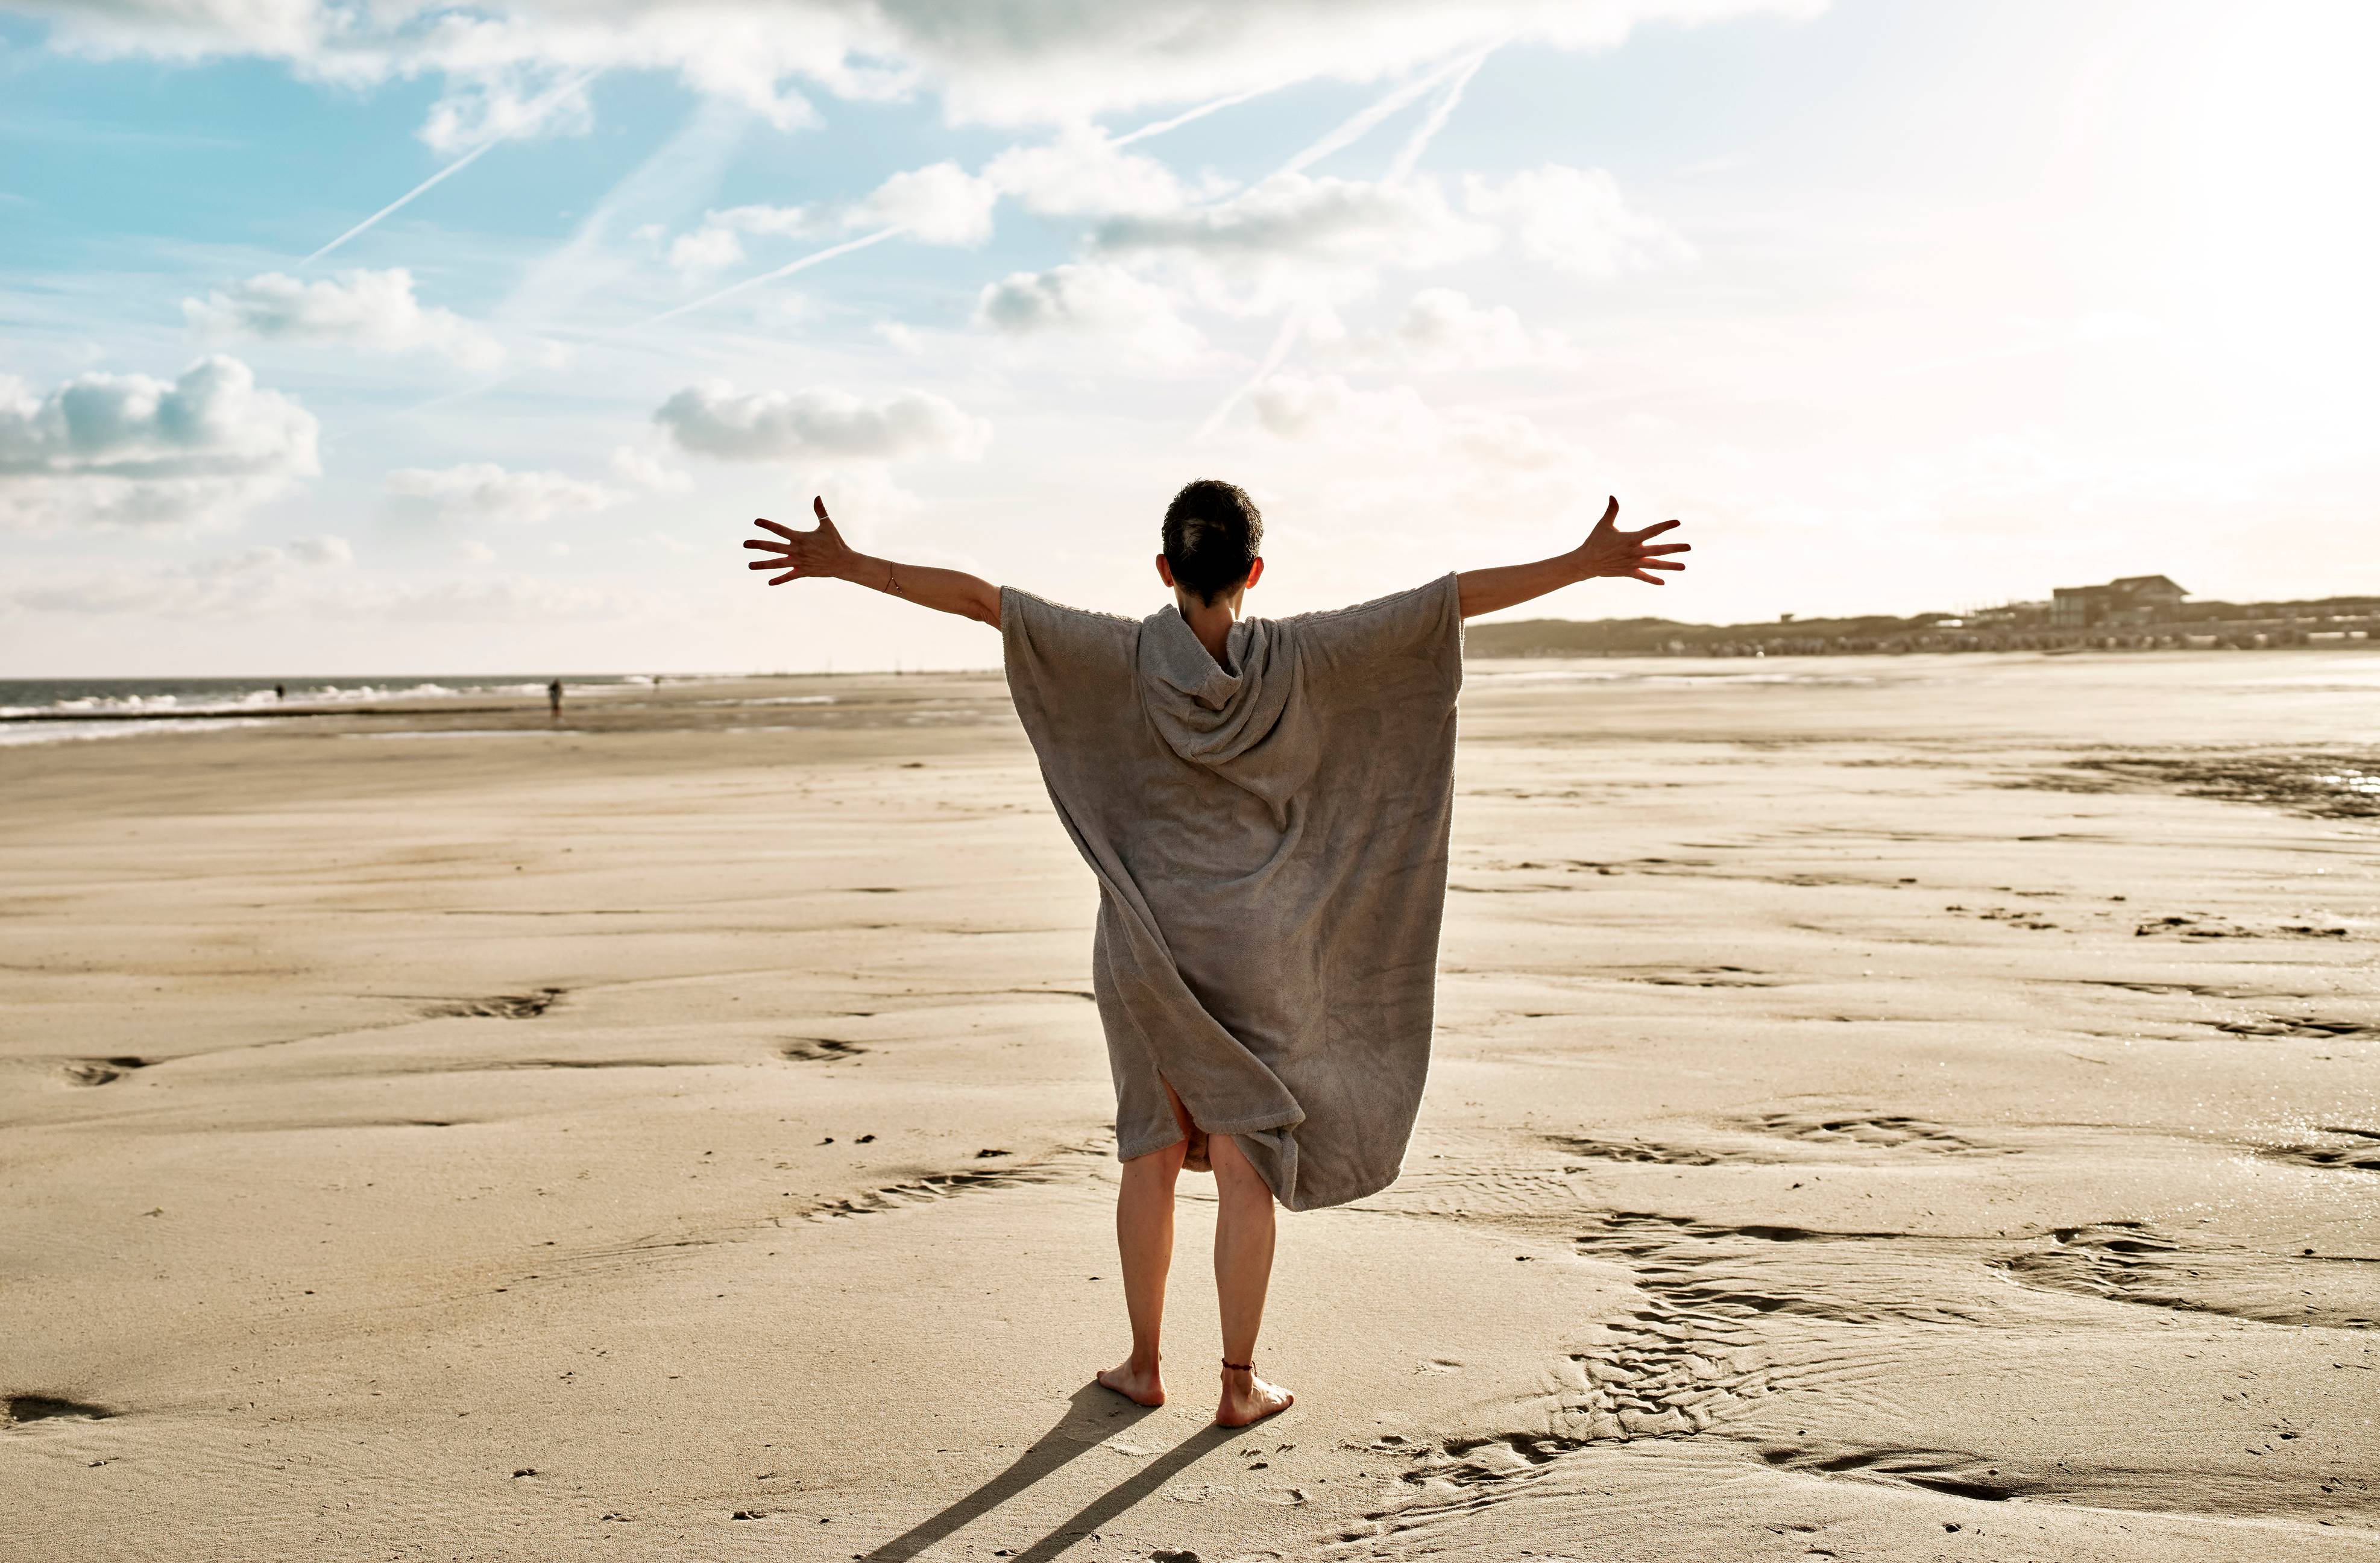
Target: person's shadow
(1093, 1415)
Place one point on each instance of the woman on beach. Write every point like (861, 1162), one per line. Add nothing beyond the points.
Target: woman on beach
(1266, 806)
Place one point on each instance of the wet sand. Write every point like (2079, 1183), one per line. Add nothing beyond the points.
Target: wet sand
(1883, 1107)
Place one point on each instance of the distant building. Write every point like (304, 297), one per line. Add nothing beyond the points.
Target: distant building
(2009, 615)
(2128, 600)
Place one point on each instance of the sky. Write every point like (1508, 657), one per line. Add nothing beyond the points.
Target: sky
(403, 337)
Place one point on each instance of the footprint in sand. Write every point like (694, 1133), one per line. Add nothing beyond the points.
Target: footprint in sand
(99, 1072)
(503, 1006)
(820, 1049)
(26, 1409)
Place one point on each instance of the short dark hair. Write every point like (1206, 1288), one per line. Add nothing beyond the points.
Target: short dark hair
(1212, 532)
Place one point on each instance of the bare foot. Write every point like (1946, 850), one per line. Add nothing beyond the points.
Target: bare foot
(1141, 1386)
(1249, 1399)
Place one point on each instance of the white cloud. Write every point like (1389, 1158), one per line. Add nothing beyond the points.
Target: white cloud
(503, 598)
(1440, 330)
(1042, 63)
(715, 419)
(1575, 219)
(516, 98)
(1397, 422)
(1404, 472)
(705, 253)
(941, 203)
(129, 450)
(1293, 237)
(1106, 302)
(481, 490)
(264, 582)
(763, 219)
(373, 310)
(282, 28)
(646, 472)
(1082, 171)
(224, 586)
(718, 244)
(322, 549)
(470, 550)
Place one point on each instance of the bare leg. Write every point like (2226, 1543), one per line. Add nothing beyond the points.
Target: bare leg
(1244, 1234)
(1145, 1240)
(1193, 1157)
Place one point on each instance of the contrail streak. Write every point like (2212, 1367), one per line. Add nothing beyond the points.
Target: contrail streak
(1435, 121)
(535, 111)
(807, 261)
(1291, 329)
(1347, 132)
(454, 168)
(1201, 112)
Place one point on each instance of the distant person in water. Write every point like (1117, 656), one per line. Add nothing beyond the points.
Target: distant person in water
(281, 692)
(554, 701)
(1266, 806)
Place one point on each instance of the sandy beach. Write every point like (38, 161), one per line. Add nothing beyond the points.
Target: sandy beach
(1882, 1109)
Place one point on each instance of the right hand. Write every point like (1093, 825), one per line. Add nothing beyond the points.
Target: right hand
(1607, 550)
(819, 551)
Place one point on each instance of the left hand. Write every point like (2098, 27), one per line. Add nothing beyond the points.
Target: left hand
(1607, 550)
(818, 552)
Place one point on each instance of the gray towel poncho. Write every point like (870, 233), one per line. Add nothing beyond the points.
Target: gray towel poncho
(1269, 837)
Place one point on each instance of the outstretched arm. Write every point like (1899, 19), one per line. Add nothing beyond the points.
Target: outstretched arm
(1607, 550)
(822, 552)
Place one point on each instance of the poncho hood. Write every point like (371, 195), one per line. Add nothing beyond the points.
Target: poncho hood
(1212, 714)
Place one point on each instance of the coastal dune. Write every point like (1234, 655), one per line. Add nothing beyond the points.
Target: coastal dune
(1915, 1106)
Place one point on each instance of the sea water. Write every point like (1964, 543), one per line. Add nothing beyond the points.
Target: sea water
(41, 710)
